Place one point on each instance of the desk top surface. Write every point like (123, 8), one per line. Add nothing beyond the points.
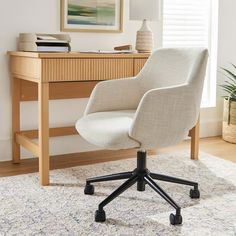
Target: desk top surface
(76, 55)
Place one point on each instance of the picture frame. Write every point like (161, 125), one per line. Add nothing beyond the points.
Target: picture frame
(105, 16)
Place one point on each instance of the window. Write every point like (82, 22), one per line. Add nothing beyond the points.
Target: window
(194, 23)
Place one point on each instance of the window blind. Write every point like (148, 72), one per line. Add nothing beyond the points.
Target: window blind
(194, 23)
(186, 23)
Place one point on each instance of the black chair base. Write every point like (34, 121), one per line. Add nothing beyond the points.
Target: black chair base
(142, 176)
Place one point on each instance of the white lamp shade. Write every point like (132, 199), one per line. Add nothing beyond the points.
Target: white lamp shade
(144, 10)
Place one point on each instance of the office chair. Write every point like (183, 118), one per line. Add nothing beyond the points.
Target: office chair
(155, 109)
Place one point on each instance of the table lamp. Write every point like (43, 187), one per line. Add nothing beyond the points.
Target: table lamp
(145, 10)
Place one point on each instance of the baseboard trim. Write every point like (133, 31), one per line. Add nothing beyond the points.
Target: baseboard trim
(210, 128)
(30, 165)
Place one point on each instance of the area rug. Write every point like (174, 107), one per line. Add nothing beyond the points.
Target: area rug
(63, 209)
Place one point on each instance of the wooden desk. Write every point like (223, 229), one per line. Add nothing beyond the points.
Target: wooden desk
(44, 76)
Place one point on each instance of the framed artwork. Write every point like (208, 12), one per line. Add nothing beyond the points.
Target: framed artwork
(92, 15)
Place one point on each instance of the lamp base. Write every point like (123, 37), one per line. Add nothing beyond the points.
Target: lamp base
(144, 39)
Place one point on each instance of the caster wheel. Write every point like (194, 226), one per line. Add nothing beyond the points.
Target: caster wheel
(100, 216)
(194, 193)
(89, 189)
(175, 219)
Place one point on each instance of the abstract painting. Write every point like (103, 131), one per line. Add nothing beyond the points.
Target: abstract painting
(92, 15)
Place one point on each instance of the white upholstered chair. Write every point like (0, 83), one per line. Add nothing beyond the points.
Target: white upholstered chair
(155, 109)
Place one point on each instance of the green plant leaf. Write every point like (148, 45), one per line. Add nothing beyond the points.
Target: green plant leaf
(233, 65)
(227, 91)
(233, 92)
(230, 78)
(228, 87)
(233, 76)
(233, 85)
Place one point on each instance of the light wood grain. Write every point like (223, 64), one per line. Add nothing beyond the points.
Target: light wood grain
(67, 160)
(194, 133)
(43, 106)
(55, 74)
(62, 90)
(27, 144)
(56, 70)
(53, 132)
(214, 146)
(138, 65)
(78, 55)
(15, 94)
(23, 67)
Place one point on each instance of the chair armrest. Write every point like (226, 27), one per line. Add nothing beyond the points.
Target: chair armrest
(164, 116)
(122, 94)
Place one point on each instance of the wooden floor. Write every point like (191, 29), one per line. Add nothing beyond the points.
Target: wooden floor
(214, 146)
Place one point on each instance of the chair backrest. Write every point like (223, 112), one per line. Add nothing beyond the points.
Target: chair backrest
(170, 67)
(168, 114)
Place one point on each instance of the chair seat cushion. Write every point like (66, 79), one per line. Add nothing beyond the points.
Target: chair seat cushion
(109, 130)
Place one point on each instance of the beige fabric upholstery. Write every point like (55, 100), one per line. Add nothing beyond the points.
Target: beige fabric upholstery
(108, 129)
(112, 95)
(168, 113)
(166, 97)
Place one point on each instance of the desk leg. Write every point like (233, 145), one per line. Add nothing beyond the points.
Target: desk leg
(15, 119)
(194, 133)
(43, 99)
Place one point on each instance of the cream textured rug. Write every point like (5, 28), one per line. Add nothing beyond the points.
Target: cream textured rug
(63, 209)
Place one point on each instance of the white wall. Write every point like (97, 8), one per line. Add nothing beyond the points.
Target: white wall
(211, 118)
(43, 16)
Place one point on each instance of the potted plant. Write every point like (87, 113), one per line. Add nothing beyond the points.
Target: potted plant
(229, 119)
